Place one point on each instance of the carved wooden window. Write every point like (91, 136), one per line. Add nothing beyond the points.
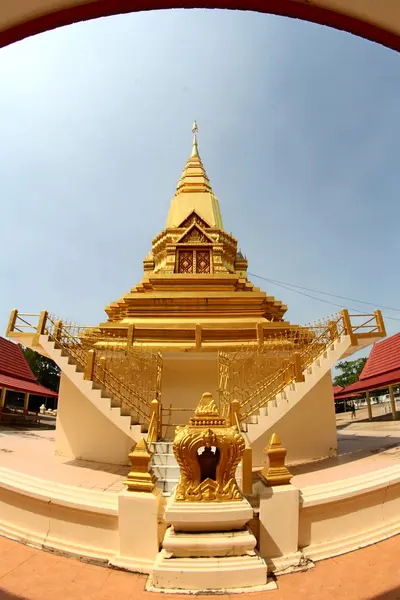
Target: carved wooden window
(186, 261)
(194, 261)
(203, 261)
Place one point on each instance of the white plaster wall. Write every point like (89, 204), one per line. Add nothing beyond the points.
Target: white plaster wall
(334, 520)
(308, 430)
(84, 432)
(185, 378)
(59, 517)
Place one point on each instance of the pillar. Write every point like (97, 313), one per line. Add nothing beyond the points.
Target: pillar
(26, 402)
(139, 514)
(3, 398)
(392, 402)
(369, 407)
(279, 526)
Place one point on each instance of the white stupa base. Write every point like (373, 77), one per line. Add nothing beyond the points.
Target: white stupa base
(208, 516)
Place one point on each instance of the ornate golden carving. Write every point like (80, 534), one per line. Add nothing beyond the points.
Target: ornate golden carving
(203, 261)
(194, 236)
(277, 473)
(194, 219)
(141, 477)
(209, 476)
(186, 261)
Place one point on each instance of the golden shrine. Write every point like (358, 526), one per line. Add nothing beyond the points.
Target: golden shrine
(209, 476)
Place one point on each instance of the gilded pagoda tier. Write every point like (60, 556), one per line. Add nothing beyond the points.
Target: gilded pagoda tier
(195, 291)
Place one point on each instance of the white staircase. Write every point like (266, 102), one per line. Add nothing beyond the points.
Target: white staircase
(256, 425)
(165, 467)
(122, 416)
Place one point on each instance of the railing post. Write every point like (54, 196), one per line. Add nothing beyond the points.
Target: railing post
(154, 414)
(247, 471)
(380, 322)
(333, 330)
(288, 376)
(102, 370)
(130, 336)
(298, 370)
(159, 432)
(57, 330)
(197, 336)
(11, 321)
(89, 368)
(260, 334)
(348, 329)
(234, 409)
(40, 327)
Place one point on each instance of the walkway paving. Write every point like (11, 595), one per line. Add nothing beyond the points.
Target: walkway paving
(363, 447)
(372, 573)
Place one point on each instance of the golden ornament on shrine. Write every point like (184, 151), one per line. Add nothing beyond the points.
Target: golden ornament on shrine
(208, 452)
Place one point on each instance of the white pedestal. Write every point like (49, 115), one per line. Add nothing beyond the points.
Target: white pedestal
(208, 573)
(208, 548)
(279, 527)
(139, 514)
(208, 516)
(222, 543)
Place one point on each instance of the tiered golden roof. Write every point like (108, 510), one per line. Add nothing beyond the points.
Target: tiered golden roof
(195, 293)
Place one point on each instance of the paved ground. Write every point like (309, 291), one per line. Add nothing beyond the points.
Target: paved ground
(372, 573)
(363, 446)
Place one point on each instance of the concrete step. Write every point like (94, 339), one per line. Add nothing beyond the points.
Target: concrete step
(167, 486)
(166, 472)
(160, 459)
(162, 447)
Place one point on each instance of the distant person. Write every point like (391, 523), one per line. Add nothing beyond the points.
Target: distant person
(353, 411)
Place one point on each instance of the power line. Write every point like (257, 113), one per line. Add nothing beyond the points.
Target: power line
(277, 282)
(291, 288)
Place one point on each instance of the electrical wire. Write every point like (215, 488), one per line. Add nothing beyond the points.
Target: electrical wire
(277, 282)
(292, 288)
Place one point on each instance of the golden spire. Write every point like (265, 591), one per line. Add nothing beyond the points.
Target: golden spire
(194, 192)
(195, 149)
(194, 177)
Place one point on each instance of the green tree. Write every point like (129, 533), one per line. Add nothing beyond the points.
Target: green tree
(350, 371)
(46, 370)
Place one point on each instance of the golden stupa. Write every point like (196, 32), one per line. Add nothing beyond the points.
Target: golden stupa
(195, 294)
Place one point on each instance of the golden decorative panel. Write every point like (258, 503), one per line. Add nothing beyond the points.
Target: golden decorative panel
(203, 261)
(208, 476)
(186, 261)
(194, 219)
(195, 236)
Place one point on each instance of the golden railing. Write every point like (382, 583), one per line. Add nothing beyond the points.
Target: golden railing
(131, 376)
(254, 376)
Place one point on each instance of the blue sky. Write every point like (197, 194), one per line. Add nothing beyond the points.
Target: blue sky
(299, 131)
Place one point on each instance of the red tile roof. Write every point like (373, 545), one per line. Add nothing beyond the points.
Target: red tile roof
(15, 372)
(372, 383)
(337, 389)
(12, 383)
(381, 369)
(384, 357)
(13, 361)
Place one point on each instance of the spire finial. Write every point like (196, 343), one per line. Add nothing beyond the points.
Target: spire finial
(195, 150)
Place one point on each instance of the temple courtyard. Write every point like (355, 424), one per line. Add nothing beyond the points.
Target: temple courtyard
(363, 446)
